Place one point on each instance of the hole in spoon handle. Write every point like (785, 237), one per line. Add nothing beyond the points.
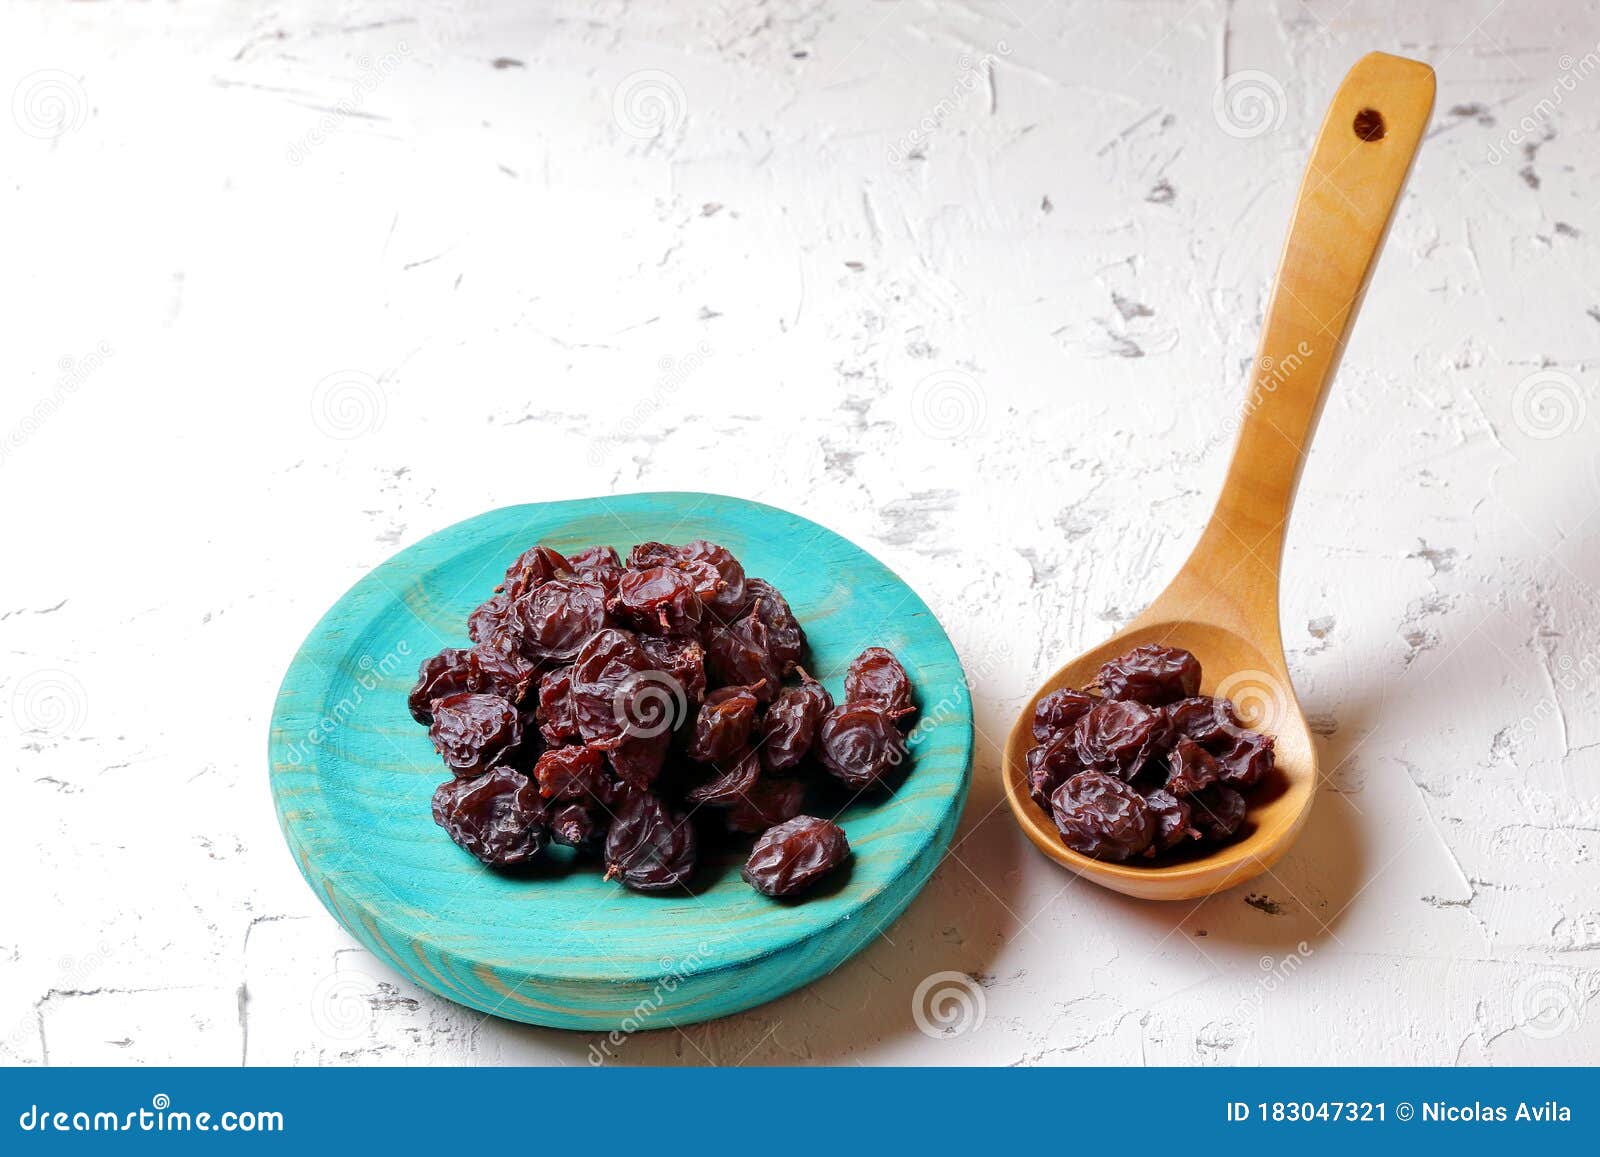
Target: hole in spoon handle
(1353, 180)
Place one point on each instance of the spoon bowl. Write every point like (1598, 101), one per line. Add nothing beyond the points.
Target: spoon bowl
(1223, 605)
(1233, 668)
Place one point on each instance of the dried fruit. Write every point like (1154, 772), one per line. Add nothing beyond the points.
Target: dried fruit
(1190, 768)
(569, 773)
(649, 847)
(1183, 755)
(860, 744)
(589, 672)
(1172, 821)
(723, 724)
(1101, 816)
(770, 802)
(1217, 812)
(475, 733)
(555, 620)
(789, 727)
(1118, 736)
(794, 856)
(455, 669)
(1152, 674)
(498, 817)
(876, 676)
(1058, 711)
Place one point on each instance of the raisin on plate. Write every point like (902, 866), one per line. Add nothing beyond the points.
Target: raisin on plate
(649, 847)
(498, 817)
(876, 676)
(789, 727)
(475, 733)
(860, 744)
(796, 855)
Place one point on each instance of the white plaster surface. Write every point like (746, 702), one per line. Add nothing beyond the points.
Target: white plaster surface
(290, 285)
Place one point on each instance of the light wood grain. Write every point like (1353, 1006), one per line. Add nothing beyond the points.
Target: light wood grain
(1223, 604)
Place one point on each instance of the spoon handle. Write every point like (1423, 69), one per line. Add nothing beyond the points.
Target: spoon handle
(1352, 183)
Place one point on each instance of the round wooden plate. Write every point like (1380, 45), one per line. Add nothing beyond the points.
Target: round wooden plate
(353, 776)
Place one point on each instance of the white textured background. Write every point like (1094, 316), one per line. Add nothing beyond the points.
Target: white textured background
(289, 285)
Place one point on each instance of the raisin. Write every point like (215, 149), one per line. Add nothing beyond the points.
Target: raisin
(555, 620)
(1248, 761)
(532, 569)
(494, 625)
(1058, 711)
(454, 670)
(558, 721)
(723, 724)
(1118, 736)
(784, 639)
(1152, 675)
(682, 658)
(729, 597)
(789, 727)
(1209, 722)
(770, 802)
(735, 777)
(741, 653)
(796, 855)
(475, 733)
(649, 847)
(638, 759)
(1099, 815)
(598, 564)
(498, 817)
(661, 600)
(1190, 768)
(1050, 765)
(1217, 812)
(571, 773)
(575, 825)
(648, 554)
(860, 744)
(1172, 821)
(604, 669)
(876, 676)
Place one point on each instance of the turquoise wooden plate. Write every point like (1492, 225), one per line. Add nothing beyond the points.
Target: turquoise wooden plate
(353, 775)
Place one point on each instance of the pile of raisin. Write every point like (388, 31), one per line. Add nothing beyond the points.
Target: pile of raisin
(637, 711)
(1143, 764)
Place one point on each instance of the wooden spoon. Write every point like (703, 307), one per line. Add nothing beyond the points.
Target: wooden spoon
(1223, 604)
